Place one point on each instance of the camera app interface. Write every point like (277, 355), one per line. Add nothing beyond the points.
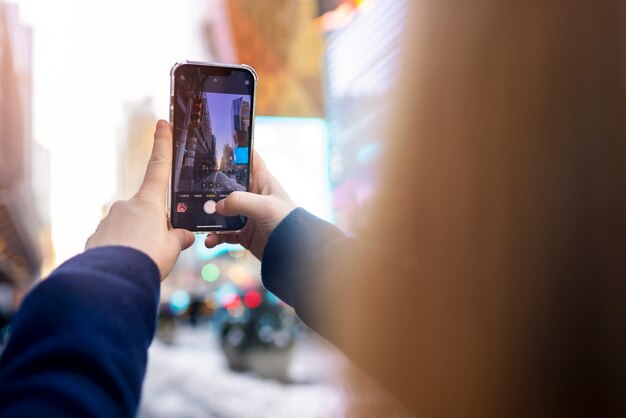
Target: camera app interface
(212, 134)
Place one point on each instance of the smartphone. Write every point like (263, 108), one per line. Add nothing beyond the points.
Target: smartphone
(212, 115)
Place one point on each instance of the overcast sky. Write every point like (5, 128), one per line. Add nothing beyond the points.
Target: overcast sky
(220, 110)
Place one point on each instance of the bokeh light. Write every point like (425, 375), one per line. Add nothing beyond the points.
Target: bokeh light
(179, 302)
(239, 275)
(236, 252)
(237, 311)
(210, 272)
(252, 299)
(231, 300)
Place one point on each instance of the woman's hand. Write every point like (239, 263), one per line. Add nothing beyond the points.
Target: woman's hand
(141, 221)
(265, 205)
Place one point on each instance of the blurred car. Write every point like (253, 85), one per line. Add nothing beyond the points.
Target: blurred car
(257, 331)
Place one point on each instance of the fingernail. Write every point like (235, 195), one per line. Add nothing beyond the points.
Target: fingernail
(161, 124)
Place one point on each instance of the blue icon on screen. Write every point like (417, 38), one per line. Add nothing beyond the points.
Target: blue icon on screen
(241, 155)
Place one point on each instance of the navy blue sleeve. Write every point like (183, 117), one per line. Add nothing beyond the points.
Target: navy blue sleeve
(302, 265)
(79, 342)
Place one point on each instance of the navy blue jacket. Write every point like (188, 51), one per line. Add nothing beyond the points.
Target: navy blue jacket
(79, 342)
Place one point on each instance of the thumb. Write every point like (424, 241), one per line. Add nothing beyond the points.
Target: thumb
(158, 171)
(184, 238)
(243, 203)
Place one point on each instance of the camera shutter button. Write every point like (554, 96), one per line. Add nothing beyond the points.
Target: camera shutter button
(209, 207)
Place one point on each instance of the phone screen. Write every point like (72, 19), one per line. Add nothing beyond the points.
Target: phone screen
(212, 124)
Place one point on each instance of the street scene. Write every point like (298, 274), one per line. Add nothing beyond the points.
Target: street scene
(211, 139)
(218, 182)
(189, 377)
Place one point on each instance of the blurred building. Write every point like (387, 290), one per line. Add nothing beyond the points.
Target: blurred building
(40, 186)
(24, 167)
(362, 57)
(279, 39)
(354, 46)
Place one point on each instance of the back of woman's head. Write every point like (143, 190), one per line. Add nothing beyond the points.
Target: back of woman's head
(502, 215)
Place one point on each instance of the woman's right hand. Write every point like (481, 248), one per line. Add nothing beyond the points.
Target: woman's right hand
(266, 205)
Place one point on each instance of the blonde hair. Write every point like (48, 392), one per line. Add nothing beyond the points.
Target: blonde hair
(500, 281)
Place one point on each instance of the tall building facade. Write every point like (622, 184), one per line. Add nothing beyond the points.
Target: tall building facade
(236, 114)
(21, 210)
(195, 143)
(240, 118)
(245, 115)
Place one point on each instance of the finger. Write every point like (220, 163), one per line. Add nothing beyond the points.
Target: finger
(214, 240)
(115, 206)
(184, 237)
(158, 171)
(242, 203)
(258, 164)
(88, 243)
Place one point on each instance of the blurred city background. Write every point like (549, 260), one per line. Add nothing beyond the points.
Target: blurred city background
(82, 86)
